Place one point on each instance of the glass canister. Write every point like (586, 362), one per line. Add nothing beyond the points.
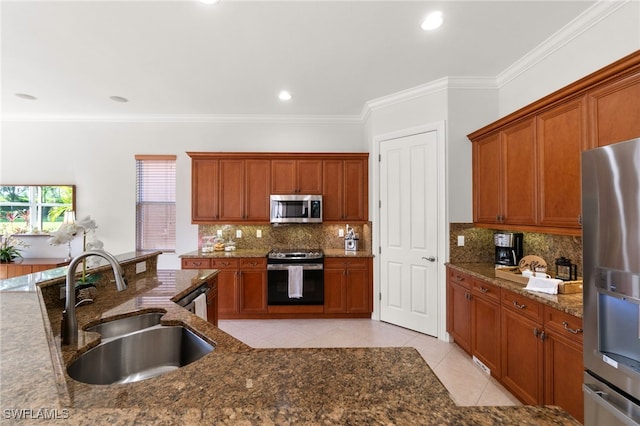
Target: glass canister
(565, 270)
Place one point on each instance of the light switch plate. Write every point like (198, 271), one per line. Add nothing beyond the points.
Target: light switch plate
(219, 232)
(238, 233)
(259, 233)
(141, 267)
(340, 232)
(460, 240)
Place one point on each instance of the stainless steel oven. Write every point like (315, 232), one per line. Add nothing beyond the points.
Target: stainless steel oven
(611, 239)
(295, 277)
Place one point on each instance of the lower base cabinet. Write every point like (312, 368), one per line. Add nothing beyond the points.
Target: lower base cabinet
(29, 266)
(534, 350)
(347, 285)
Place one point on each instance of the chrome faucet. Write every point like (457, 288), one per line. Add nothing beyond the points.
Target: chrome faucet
(69, 329)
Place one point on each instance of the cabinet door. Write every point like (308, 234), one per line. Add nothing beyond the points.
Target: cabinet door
(522, 357)
(459, 314)
(231, 190)
(561, 135)
(614, 110)
(309, 176)
(204, 190)
(196, 263)
(253, 285)
(335, 294)
(212, 302)
(333, 190)
(564, 374)
(486, 180)
(358, 286)
(355, 199)
(519, 174)
(257, 190)
(283, 176)
(485, 324)
(227, 292)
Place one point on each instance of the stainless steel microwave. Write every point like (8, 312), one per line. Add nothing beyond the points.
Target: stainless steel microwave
(296, 208)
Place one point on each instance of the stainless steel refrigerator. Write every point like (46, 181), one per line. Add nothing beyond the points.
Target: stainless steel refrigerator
(611, 241)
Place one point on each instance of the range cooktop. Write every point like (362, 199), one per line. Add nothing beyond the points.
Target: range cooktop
(295, 254)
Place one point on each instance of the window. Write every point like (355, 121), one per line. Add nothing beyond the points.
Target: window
(34, 209)
(156, 203)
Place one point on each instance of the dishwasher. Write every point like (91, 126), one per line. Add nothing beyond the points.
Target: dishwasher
(190, 304)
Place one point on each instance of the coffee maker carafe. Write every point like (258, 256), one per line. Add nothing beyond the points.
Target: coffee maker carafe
(508, 248)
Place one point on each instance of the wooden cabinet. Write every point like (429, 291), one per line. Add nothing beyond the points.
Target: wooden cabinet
(459, 308)
(485, 325)
(228, 301)
(345, 189)
(242, 284)
(505, 162)
(614, 110)
(522, 347)
(291, 176)
(29, 266)
(561, 137)
(204, 190)
(347, 285)
(543, 195)
(253, 285)
(563, 360)
(212, 302)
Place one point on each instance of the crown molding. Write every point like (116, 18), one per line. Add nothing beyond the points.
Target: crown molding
(590, 17)
(179, 118)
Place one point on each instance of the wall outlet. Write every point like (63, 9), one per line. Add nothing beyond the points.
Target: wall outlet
(259, 233)
(460, 240)
(238, 233)
(219, 232)
(340, 232)
(141, 267)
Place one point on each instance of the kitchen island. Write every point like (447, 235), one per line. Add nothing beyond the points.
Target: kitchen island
(233, 384)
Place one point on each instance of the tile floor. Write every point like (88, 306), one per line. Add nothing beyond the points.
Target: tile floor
(466, 382)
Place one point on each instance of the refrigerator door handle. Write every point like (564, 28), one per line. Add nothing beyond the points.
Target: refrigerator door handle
(612, 403)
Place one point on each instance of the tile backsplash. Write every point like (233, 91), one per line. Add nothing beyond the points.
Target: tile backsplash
(307, 236)
(479, 246)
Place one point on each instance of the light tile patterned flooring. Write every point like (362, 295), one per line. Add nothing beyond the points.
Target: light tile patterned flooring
(466, 382)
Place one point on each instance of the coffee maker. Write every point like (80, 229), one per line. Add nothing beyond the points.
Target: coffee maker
(508, 248)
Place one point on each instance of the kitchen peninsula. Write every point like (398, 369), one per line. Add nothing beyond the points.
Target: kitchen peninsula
(232, 384)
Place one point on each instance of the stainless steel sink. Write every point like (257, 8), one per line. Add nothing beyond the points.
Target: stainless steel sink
(139, 356)
(126, 325)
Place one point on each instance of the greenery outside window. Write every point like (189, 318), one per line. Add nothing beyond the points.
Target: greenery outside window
(156, 203)
(34, 208)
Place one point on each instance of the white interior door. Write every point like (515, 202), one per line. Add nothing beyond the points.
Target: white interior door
(408, 232)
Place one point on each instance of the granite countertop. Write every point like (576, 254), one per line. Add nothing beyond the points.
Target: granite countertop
(569, 303)
(263, 253)
(233, 384)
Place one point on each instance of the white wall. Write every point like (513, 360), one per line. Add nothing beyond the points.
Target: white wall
(99, 159)
(607, 39)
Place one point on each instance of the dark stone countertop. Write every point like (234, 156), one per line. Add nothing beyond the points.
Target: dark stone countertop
(240, 253)
(569, 303)
(234, 383)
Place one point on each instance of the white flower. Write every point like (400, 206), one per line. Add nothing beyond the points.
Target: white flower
(86, 223)
(95, 244)
(64, 234)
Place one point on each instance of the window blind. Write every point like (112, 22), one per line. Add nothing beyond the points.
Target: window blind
(156, 202)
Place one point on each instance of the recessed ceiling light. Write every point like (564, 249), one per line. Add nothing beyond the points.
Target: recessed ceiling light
(284, 95)
(118, 99)
(209, 1)
(432, 21)
(26, 96)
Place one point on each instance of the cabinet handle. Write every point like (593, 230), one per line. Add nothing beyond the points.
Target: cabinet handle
(543, 336)
(459, 278)
(515, 303)
(571, 330)
(484, 290)
(467, 296)
(536, 332)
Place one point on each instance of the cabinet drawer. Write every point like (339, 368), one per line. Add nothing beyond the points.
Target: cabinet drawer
(253, 263)
(523, 305)
(484, 289)
(196, 263)
(224, 263)
(460, 278)
(563, 323)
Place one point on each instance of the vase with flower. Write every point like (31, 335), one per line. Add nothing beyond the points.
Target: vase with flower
(10, 248)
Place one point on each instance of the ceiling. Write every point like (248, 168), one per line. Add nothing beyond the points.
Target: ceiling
(185, 58)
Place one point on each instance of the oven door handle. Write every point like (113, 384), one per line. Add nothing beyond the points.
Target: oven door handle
(305, 266)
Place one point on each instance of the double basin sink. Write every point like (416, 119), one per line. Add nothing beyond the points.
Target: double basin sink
(137, 348)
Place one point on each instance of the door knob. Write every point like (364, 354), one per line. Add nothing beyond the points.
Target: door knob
(430, 258)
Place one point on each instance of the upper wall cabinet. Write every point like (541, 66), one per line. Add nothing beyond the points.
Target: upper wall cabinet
(235, 187)
(526, 166)
(291, 176)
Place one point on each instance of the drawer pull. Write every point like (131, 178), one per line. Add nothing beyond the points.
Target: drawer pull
(459, 278)
(515, 303)
(571, 330)
(484, 290)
